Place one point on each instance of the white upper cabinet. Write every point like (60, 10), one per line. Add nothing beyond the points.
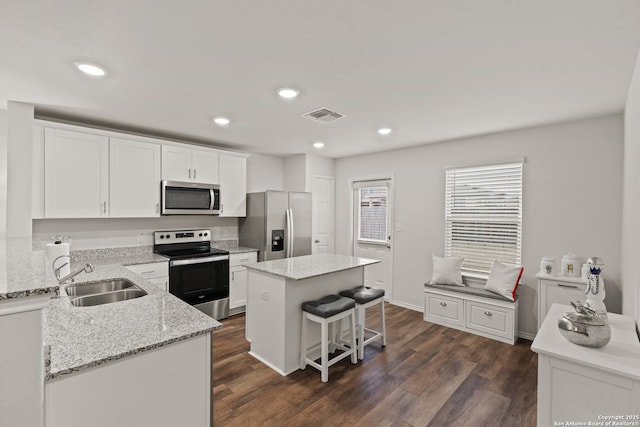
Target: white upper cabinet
(134, 178)
(76, 174)
(189, 165)
(233, 185)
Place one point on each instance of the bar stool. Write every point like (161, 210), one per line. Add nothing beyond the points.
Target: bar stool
(327, 311)
(366, 297)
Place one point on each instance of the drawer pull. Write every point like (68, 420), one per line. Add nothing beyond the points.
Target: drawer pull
(244, 260)
(147, 272)
(444, 304)
(488, 313)
(562, 285)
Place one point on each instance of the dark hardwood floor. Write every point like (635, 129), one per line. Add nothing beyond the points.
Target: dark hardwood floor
(427, 375)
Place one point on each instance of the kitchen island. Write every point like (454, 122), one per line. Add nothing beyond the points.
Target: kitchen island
(276, 291)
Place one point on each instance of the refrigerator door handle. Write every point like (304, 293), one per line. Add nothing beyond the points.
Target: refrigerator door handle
(292, 233)
(288, 234)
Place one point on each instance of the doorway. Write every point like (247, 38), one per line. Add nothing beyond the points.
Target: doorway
(373, 231)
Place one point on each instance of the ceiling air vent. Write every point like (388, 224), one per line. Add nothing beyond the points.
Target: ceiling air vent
(323, 115)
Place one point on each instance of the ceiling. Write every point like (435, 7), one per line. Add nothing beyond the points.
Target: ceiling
(430, 70)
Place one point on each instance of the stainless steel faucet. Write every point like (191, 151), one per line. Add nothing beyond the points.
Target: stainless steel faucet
(87, 268)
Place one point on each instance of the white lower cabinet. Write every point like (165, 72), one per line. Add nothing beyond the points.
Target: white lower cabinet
(168, 386)
(238, 279)
(156, 272)
(487, 317)
(560, 290)
(588, 386)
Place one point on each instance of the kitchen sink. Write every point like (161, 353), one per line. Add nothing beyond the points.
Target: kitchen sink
(108, 297)
(99, 287)
(103, 292)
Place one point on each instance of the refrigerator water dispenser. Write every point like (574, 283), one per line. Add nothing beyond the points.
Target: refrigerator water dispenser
(277, 240)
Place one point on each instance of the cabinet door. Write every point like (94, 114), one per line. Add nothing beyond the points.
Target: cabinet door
(238, 287)
(76, 174)
(233, 186)
(558, 291)
(204, 165)
(134, 178)
(176, 163)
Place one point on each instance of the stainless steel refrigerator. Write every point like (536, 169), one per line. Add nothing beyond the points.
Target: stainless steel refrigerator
(278, 223)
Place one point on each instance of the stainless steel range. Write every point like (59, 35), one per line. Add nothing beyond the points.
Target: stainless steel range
(198, 274)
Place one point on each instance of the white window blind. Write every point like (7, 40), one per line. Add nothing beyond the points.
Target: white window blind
(372, 211)
(484, 215)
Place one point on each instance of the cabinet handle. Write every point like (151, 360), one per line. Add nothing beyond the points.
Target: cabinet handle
(244, 260)
(221, 208)
(488, 313)
(195, 171)
(157, 207)
(444, 304)
(233, 276)
(104, 208)
(562, 285)
(146, 272)
(189, 173)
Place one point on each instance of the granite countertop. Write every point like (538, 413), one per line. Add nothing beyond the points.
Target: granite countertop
(231, 246)
(24, 271)
(83, 337)
(304, 267)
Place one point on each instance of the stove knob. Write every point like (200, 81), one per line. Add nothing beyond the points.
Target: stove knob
(206, 234)
(168, 236)
(200, 234)
(162, 236)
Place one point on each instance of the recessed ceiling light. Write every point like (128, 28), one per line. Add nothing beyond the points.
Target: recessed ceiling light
(221, 121)
(318, 144)
(384, 131)
(288, 92)
(90, 69)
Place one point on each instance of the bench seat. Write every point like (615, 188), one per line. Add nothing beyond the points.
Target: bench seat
(472, 309)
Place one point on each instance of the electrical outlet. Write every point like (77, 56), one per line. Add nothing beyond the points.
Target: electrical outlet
(140, 238)
(265, 295)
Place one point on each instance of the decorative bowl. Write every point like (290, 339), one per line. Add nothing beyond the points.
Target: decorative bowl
(584, 330)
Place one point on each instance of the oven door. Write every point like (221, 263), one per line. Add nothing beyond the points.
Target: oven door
(190, 198)
(199, 280)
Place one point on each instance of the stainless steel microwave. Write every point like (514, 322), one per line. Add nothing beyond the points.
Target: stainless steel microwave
(190, 198)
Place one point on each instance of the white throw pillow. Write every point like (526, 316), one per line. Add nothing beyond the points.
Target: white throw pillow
(503, 280)
(446, 271)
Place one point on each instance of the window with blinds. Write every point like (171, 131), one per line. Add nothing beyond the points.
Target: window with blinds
(484, 215)
(372, 213)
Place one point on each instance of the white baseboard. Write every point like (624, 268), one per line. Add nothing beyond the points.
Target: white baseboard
(409, 306)
(526, 335)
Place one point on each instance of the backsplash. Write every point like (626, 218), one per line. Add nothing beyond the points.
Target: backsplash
(128, 232)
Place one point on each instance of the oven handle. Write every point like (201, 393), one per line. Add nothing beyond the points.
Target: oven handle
(198, 260)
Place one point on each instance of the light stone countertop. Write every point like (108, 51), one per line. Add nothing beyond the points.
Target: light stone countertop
(231, 246)
(83, 337)
(24, 271)
(304, 267)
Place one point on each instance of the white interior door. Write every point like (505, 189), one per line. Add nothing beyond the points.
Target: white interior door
(323, 190)
(372, 231)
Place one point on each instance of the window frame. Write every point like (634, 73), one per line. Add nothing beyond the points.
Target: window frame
(503, 210)
(372, 184)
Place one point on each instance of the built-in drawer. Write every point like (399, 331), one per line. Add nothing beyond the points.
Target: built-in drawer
(242, 258)
(489, 319)
(444, 309)
(152, 270)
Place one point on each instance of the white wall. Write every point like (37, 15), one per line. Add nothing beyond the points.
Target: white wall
(3, 172)
(317, 165)
(631, 202)
(295, 173)
(572, 198)
(264, 173)
(19, 150)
